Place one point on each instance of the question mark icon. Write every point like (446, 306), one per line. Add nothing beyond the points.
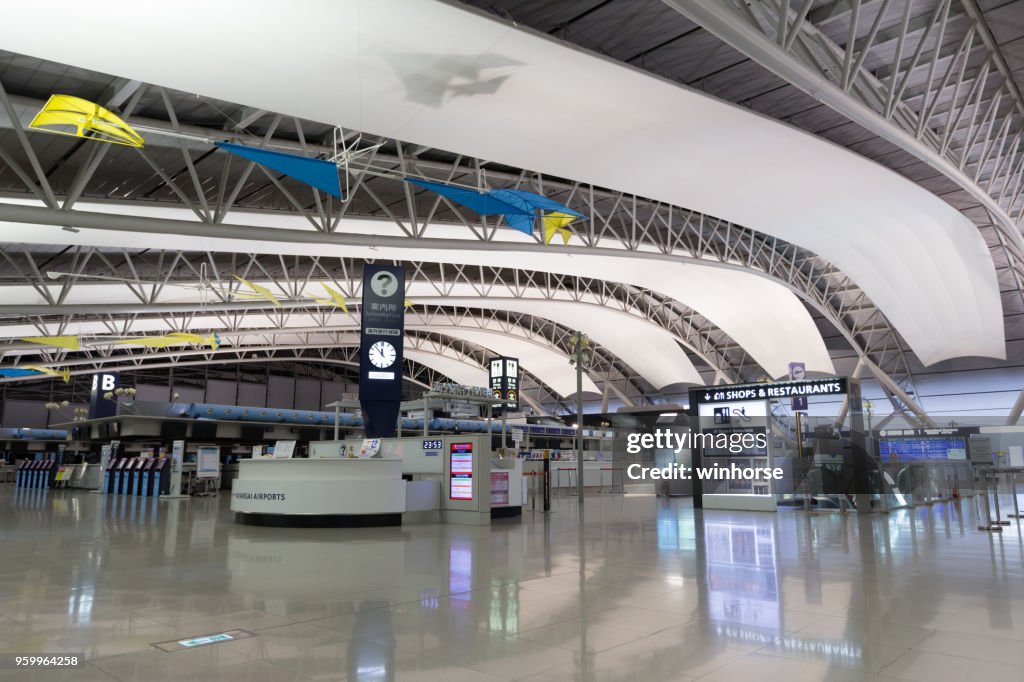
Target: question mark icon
(383, 284)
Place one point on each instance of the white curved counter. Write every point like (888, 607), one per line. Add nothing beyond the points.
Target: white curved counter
(319, 492)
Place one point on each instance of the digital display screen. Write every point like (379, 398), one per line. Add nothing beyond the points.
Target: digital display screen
(432, 445)
(922, 448)
(460, 486)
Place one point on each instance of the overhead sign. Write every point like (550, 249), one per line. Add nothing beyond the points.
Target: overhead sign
(798, 372)
(814, 387)
(102, 384)
(504, 375)
(382, 329)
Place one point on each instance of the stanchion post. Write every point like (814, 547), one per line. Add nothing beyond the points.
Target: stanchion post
(999, 517)
(547, 481)
(1013, 494)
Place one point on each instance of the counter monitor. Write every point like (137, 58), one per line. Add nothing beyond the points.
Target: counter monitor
(461, 471)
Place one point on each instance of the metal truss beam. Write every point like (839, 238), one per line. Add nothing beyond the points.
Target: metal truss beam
(781, 40)
(235, 320)
(621, 225)
(133, 272)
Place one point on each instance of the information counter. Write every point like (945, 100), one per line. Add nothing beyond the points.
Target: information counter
(319, 492)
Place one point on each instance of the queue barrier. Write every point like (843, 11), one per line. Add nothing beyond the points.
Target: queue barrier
(990, 515)
(612, 486)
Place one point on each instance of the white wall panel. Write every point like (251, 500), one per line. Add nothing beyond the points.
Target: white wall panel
(153, 393)
(281, 392)
(221, 392)
(20, 414)
(252, 395)
(307, 394)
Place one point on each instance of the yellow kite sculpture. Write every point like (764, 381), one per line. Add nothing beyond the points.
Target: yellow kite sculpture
(87, 119)
(335, 299)
(263, 292)
(69, 342)
(64, 374)
(555, 223)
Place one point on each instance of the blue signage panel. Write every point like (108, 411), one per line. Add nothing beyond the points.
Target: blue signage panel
(103, 384)
(924, 448)
(382, 331)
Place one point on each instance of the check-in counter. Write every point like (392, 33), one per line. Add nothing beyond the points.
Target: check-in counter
(319, 492)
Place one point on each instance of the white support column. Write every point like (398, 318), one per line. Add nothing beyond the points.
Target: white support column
(1016, 410)
(844, 409)
(888, 384)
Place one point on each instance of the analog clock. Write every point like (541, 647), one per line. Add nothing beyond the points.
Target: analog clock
(382, 354)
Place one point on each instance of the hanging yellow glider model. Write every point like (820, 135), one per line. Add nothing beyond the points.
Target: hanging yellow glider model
(336, 299)
(77, 117)
(263, 292)
(69, 342)
(64, 374)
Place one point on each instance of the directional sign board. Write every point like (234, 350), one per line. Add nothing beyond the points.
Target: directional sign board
(835, 386)
(382, 331)
(504, 376)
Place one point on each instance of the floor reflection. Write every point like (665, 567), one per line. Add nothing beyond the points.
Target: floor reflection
(643, 588)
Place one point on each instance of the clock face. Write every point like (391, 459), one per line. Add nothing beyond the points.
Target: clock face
(382, 354)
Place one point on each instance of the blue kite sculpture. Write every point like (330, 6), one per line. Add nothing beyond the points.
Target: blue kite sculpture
(517, 206)
(314, 172)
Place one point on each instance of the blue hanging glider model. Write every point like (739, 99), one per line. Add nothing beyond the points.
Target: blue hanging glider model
(518, 207)
(314, 172)
(15, 372)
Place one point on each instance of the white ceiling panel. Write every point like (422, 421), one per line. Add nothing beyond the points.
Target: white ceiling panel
(446, 77)
(761, 315)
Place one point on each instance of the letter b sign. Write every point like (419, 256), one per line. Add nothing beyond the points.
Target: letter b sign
(104, 382)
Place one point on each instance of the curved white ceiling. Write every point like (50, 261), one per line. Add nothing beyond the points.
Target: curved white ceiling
(457, 370)
(549, 366)
(445, 77)
(659, 359)
(762, 316)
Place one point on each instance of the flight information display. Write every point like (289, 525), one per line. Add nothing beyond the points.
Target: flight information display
(460, 486)
(922, 448)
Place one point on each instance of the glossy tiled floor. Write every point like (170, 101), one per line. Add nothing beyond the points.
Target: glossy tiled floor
(646, 589)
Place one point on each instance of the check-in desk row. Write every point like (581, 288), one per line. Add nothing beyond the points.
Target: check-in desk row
(36, 473)
(142, 476)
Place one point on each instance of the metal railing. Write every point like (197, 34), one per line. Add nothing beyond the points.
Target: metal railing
(891, 485)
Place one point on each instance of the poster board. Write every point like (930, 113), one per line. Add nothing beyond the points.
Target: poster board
(499, 488)
(460, 484)
(208, 461)
(979, 449)
(370, 448)
(284, 449)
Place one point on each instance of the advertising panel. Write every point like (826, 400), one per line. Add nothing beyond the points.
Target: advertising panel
(460, 485)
